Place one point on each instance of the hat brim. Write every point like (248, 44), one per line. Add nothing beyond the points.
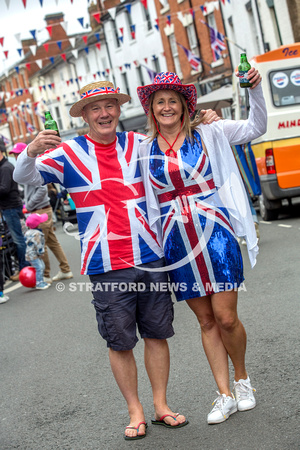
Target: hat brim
(76, 109)
(189, 92)
(17, 152)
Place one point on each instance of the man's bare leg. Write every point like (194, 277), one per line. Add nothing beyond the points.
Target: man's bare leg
(157, 363)
(125, 372)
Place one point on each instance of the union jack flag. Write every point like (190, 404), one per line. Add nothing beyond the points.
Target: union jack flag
(217, 42)
(107, 188)
(191, 216)
(152, 74)
(30, 127)
(101, 90)
(192, 58)
(4, 139)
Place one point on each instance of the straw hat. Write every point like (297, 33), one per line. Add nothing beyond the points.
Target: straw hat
(168, 80)
(99, 90)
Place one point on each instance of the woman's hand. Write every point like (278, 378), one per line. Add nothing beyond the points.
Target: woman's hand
(45, 140)
(208, 116)
(253, 76)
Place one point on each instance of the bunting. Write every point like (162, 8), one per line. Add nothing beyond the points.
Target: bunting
(49, 29)
(132, 31)
(80, 20)
(96, 16)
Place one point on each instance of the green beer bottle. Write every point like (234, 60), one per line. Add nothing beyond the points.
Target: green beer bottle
(244, 67)
(50, 123)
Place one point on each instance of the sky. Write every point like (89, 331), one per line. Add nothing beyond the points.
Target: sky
(17, 19)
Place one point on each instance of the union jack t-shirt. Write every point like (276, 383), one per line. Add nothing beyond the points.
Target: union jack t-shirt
(105, 183)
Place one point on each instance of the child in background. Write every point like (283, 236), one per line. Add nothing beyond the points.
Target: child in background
(35, 247)
(3, 298)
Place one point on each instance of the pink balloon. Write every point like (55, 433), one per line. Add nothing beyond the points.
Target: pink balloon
(27, 277)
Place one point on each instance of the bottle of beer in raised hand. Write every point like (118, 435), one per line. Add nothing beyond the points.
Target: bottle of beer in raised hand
(50, 123)
(244, 67)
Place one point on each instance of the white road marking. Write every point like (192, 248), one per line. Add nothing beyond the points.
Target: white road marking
(284, 226)
(13, 288)
(263, 221)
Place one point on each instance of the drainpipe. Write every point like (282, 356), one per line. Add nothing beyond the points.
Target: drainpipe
(260, 27)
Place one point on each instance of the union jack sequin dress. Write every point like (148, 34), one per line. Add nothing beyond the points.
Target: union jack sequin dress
(200, 246)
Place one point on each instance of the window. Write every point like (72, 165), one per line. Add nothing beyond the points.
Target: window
(140, 76)
(58, 118)
(174, 51)
(155, 64)
(125, 83)
(130, 24)
(87, 66)
(23, 84)
(190, 29)
(285, 86)
(105, 66)
(115, 34)
(147, 18)
(211, 21)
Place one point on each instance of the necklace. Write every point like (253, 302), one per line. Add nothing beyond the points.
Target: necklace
(170, 152)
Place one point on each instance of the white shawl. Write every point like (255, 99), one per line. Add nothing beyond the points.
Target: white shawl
(218, 137)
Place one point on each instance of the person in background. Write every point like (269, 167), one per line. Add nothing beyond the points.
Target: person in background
(3, 298)
(35, 247)
(11, 206)
(201, 205)
(37, 200)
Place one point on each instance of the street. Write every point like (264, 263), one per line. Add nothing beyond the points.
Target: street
(56, 386)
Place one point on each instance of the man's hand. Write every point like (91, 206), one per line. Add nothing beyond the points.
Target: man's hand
(208, 116)
(43, 141)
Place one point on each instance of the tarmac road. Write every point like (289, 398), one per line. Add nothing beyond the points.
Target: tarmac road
(56, 387)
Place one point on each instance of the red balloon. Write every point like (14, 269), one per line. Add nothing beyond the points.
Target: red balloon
(27, 277)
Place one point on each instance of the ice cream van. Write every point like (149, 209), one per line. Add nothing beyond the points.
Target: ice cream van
(277, 152)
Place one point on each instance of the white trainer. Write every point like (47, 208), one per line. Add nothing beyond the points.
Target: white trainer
(43, 285)
(224, 406)
(48, 280)
(4, 298)
(243, 392)
(62, 276)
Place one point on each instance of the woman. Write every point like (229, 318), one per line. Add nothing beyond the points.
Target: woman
(202, 205)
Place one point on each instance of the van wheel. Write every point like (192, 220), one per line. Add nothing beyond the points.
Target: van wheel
(266, 208)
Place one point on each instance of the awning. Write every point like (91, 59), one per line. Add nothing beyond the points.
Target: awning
(220, 98)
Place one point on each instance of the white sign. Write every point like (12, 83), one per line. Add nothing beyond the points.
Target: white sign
(280, 80)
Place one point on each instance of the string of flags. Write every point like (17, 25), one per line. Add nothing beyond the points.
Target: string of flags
(160, 21)
(9, 95)
(217, 46)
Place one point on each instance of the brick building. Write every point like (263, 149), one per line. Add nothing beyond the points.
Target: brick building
(18, 92)
(181, 22)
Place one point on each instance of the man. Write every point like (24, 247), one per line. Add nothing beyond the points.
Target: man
(11, 206)
(101, 173)
(37, 201)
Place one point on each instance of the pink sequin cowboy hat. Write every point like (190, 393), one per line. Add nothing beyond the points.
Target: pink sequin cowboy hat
(168, 80)
(92, 92)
